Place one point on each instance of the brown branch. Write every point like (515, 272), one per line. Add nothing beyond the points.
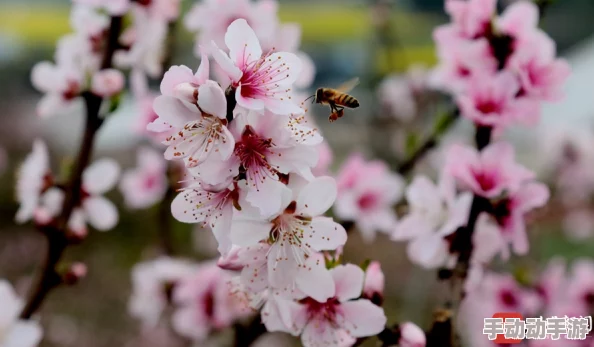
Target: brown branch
(231, 102)
(56, 234)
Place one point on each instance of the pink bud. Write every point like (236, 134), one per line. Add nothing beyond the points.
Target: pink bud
(107, 82)
(42, 216)
(230, 261)
(374, 281)
(187, 92)
(411, 335)
(75, 273)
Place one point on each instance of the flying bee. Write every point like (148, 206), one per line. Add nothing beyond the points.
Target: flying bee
(337, 98)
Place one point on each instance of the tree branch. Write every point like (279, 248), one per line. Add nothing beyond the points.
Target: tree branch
(56, 234)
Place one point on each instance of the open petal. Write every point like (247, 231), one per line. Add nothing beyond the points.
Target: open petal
(244, 46)
(268, 197)
(211, 99)
(204, 69)
(363, 318)
(225, 63)
(46, 77)
(320, 332)
(247, 232)
(272, 319)
(221, 229)
(315, 280)
(176, 75)
(101, 176)
(283, 107)
(292, 314)
(324, 234)
(348, 280)
(100, 212)
(317, 197)
(249, 103)
(429, 251)
(173, 111)
(424, 195)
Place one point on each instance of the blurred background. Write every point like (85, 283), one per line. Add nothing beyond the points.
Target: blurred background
(369, 39)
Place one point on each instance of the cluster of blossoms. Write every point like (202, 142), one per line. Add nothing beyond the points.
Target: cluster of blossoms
(249, 154)
(41, 197)
(555, 292)
(499, 69)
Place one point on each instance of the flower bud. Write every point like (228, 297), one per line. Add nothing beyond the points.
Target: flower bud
(107, 83)
(186, 92)
(411, 335)
(373, 288)
(230, 261)
(75, 273)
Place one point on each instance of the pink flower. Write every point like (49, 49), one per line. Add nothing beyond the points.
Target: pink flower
(179, 81)
(145, 185)
(295, 233)
(397, 98)
(411, 335)
(518, 19)
(373, 288)
(201, 127)
(212, 206)
(160, 10)
(369, 191)
(32, 178)
(541, 76)
(552, 282)
(260, 80)
(491, 101)
(470, 19)
(435, 212)
(61, 83)
(488, 173)
(461, 61)
(336, 322)
(16, 332)
(150, 282)
(267, 146)
(99, 212)
(580, 289)
(510, 213)
(204, 302)
(211, 18)
(107, 83)
(145, 40)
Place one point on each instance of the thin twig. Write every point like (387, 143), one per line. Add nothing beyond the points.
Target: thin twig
(406, 166)
(56, 234)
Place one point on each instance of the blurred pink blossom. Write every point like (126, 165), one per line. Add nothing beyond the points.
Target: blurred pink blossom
(373, 286)
(98, 211)
(150, 283)
(411, 335)
(16, 332)
(367, 193)
(113, 7)
(210, 18)
(335, 322)
(435, 211)
(261, 80)
(325, 158)
(32, 178)
(204, 302)
(488, 173)
(60, 83)
(146, 184)
(107, 83)
(578, 224)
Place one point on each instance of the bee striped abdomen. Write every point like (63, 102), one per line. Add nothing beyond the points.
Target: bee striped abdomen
(347, 101)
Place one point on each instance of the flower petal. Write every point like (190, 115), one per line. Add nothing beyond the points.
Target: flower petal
(248, 232)
(100, 212)
(363, 318)
(101, 176)
(176, 75)
(324, 234)
(203, 70)
(244, 46)
(211, 99)
(225, 63)
(315, 280)
(317, 197)
(173, 111)
(348, 281)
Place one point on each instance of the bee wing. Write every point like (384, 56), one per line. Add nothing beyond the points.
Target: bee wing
(348, 85)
